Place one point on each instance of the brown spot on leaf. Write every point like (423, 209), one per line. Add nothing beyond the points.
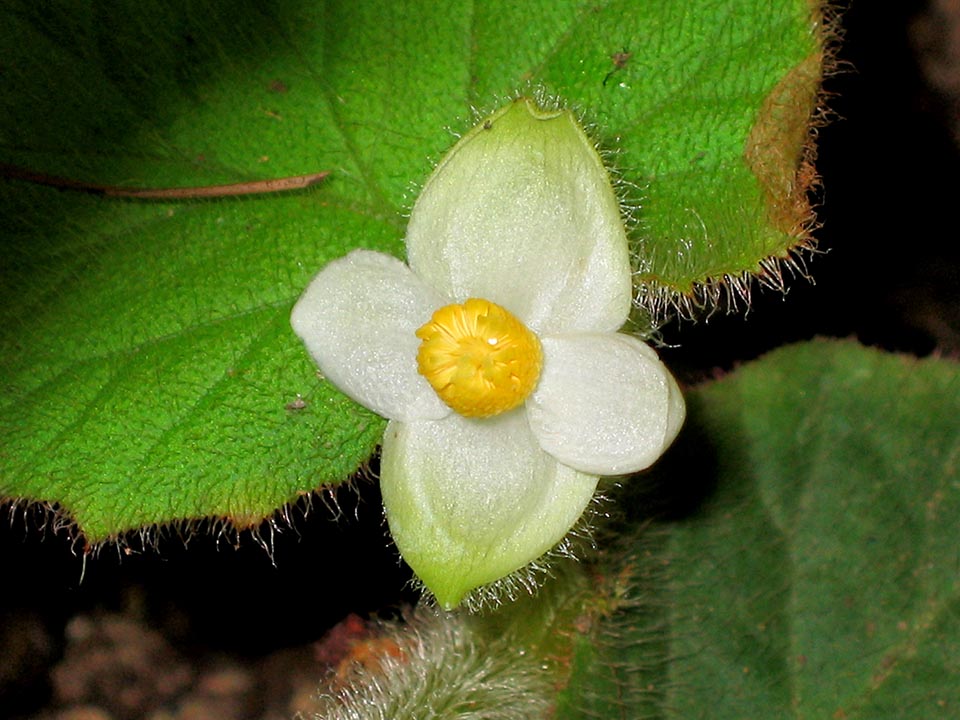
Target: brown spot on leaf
(780, 148)
(620, 59)
(297, 403)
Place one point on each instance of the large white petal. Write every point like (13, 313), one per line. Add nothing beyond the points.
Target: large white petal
(521, 212)
(469, 501)
(358, 318)
(605, 404)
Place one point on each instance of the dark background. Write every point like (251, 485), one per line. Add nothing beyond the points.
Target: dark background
(887, 274)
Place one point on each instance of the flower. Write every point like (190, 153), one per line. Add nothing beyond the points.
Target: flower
(495, 353)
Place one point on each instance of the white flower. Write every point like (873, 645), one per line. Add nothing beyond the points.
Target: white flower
(518, 280)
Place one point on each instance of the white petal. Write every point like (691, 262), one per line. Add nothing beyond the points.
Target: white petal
(358, 318)
(605, 403)
(469, 501)
(521, 212)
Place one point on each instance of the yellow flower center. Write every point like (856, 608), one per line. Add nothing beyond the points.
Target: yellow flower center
(479, 358)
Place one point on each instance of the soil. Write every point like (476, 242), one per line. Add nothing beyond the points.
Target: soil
(210, 629)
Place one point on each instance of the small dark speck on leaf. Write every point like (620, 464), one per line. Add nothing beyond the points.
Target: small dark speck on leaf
(487, 124)
(620, 60)
(278, 86)
(298, 404)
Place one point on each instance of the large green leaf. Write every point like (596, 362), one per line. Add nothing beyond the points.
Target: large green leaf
(821, 579)
(818, 578)
(148, 373)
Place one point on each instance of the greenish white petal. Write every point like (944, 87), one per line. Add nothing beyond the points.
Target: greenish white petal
(522, 212)
(470, 501)
(605, 403)
(358, 318)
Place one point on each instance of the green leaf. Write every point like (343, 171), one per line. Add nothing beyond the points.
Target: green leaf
(145, 358)
(820, 579)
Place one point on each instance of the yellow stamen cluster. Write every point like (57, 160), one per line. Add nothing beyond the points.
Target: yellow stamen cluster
(481, 360)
